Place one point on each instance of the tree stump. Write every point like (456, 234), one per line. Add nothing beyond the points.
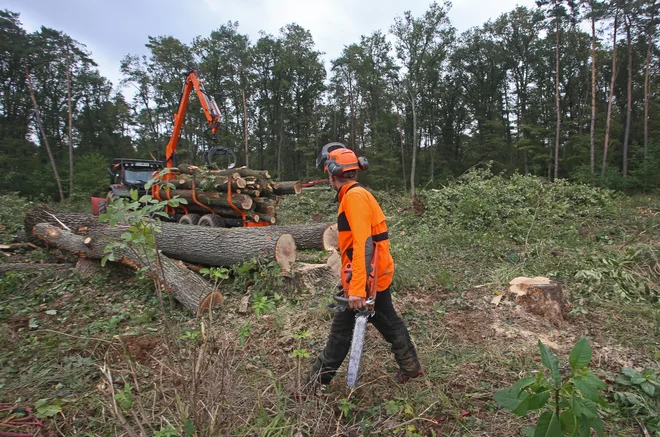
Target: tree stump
(540, 296)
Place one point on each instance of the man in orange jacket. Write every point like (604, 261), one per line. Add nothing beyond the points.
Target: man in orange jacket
(362, 230)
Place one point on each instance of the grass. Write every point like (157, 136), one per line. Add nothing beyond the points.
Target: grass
(83, 340)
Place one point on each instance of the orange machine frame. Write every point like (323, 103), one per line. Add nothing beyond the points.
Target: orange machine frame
(212, 114)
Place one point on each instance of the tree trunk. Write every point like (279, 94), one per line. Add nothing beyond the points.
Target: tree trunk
(43, 135)
(414, 151)
(316, 236)
(592, 134)
(30, 267)
(558, 102)
(403, 155)
(609, 103)
(626, 138)
(279, 151)
(245, 128)
(649, 52)
(187, 287)
(317, 279)
(68, 87)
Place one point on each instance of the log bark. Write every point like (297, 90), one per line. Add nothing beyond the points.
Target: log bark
(29, 267)
(43, 213)
(288, 187)
(316, 236)
(210, 198)
(188, 288)
(195, 244)
(86, 267)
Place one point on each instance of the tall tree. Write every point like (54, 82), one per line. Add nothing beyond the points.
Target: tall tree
(557, 12)
(417, 41)
(651, 24)
(611, 97)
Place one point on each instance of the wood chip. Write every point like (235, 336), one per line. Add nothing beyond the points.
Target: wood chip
(496, 300)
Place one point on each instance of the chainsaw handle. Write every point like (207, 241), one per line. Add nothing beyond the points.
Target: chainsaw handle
(339, 297)
(342, 304)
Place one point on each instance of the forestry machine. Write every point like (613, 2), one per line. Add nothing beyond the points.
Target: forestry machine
(195, 212)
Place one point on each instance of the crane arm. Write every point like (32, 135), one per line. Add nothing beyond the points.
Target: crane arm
(209, 106)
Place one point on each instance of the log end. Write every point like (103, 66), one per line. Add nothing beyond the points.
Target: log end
(209, 302)
(285, 251)
(331, 237)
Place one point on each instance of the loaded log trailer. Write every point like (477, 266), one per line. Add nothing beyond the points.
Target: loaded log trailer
(233, 197)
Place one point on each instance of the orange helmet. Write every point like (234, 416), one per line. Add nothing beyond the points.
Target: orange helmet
(336, 159)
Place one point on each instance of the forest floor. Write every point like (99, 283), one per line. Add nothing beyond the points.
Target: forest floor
(102, 357)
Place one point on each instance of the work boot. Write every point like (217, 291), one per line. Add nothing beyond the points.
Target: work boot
(403, 377)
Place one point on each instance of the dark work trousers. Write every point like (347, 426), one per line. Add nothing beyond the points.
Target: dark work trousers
(388, 323)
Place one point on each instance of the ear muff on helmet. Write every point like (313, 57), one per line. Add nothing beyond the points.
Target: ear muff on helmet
(363, 163)
(325, 153)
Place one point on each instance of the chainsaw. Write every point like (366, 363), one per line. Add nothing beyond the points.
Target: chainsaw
(361, 316)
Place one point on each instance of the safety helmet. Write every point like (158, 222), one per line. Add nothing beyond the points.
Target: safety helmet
(336, 159)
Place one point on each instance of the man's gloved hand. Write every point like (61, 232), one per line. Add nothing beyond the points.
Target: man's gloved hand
(356, 302)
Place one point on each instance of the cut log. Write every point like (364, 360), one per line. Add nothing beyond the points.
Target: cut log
(312, 278)
(317, 236)
(289, 187)
(262, 204)
(225, 212)
(210, 198)
(188, 288)
(334, 261)
(540, 296)
(201, 245)
(226, 247)
(43, 213)
(29, 267)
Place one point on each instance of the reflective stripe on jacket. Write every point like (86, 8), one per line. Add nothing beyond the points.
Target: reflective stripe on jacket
(361, 222)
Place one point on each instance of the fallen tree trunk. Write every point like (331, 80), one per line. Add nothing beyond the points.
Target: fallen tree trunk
(318, 236)
(43, 213)
(188, 288)
(29, 267)
(198, 244)
(226, 247)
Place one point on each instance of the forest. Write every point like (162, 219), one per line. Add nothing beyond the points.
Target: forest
(564, 90)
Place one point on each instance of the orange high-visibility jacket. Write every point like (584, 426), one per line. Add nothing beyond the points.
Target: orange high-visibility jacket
(361, 222)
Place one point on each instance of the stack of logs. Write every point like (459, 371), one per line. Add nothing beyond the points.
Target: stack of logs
(184, 249)
(250, 191)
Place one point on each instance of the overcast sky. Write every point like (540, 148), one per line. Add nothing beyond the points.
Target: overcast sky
(112, 29)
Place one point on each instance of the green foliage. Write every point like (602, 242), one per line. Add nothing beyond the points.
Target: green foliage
(262, 305)
(638, 395)
(618, 277)
(569, 401)
(139, 214)
(514, 206)
(245, 331)
(263, 276)
(12, 213)
(169, 431)
(48, 407)
(346, 407)
(125, 398)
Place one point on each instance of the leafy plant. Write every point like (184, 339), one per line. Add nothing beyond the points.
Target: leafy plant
(48, 408)
(346, 407)
(262, 305)
(640, 397)
(569, 402)
(124, 398)
(245, 331)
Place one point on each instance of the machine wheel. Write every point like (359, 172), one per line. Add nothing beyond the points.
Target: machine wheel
(213, 221)
(189, 219)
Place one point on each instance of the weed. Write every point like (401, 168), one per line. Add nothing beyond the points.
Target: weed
(639, 396)
(262, 305)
